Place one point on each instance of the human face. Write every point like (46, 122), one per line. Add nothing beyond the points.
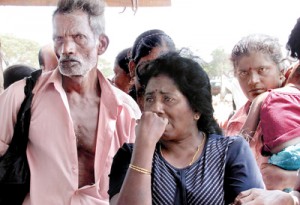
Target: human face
(155, 52)
(257, 73)
(76, 44)
(164, 98)
(121, 79)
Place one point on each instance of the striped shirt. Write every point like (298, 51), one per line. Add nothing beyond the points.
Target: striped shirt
(225, 168)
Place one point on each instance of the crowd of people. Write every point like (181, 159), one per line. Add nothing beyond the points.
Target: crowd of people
(149, 135)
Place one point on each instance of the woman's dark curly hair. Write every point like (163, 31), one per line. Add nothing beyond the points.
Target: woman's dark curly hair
(191, 80)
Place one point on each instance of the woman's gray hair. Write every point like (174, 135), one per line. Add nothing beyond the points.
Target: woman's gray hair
(93, 8)
(261, 43)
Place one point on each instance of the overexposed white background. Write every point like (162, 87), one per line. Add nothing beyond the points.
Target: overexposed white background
(202, 25)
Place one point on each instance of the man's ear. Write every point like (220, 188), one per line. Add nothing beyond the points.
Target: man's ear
(131, 66)
(103, 44)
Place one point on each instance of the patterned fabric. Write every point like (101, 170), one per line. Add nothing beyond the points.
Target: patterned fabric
(193, 184)
(225, 168)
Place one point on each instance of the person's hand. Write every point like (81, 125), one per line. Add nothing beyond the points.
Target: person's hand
(263, 197)
(276, 178)
(150, 128)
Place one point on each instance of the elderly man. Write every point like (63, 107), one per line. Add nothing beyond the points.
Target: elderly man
(78, 119)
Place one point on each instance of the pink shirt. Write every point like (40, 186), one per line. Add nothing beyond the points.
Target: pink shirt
(52, 149)
(280, 110)
(234, 126)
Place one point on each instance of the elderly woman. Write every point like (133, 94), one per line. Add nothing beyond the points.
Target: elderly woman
(179, 156)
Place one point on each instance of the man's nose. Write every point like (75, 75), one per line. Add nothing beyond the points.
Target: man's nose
(68, 47)
(254, 78)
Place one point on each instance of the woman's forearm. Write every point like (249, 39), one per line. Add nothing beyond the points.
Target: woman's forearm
(136, 188)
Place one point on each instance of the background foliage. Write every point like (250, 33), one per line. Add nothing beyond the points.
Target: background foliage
(17, 50)
(219, 65)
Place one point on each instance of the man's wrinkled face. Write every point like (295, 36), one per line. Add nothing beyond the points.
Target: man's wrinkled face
(75, 43)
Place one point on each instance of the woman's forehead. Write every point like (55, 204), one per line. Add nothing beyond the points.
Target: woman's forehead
(161, 83)
(255, 60)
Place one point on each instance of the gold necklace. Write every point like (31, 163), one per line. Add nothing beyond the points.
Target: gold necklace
(196, 153)
(198, 148)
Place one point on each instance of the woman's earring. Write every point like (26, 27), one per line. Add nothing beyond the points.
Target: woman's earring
(196, 116)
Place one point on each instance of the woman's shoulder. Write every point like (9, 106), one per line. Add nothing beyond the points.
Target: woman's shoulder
(232, 140)
(225, 138)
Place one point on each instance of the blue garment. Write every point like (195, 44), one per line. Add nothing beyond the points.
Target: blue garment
(288, 158)
(225, 168)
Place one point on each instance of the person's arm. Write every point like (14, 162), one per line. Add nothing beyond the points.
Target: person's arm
(250, 125)
(261, 197)
(277, 178)
(136, 188)
(274, 197)
(241, 172)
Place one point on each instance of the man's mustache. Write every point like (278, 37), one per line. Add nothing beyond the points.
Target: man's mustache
(63, 59)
